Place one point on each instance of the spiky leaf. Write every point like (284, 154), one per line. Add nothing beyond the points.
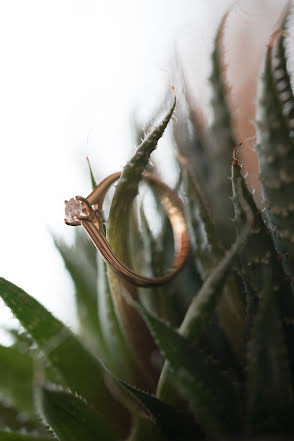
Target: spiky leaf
(16, 436)
(72, 419)
(211, 394)
(117, 227)
(270, 396)
(201, 310)
(208, 253)
(117, 353)
(80, 261)
(16, 379)
(259, 262)
(275, 148)
(222, 141)
(79, 369)
(177, 425)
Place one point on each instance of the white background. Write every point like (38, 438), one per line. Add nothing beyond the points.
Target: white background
(71, 74)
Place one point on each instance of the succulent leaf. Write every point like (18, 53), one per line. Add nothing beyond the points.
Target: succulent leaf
(14, 419)
(222, 141)
(72, 419)
(207, 248)
(275, 148)
(16, 436)
(205, 301)
(145, 429)
(80, 262)
(92, 178)
(117, 227)
(176, 425)
(260, 262)
(118, 356)
(270, 395)
(208, 252)
(60, 346)
(211, 394)
(16, 379)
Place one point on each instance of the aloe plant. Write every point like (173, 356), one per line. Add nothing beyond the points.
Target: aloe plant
(210, 355)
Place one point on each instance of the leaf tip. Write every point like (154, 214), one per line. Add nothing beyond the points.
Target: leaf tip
(236, 162)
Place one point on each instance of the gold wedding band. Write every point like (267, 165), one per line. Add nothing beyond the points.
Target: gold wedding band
(88, 213)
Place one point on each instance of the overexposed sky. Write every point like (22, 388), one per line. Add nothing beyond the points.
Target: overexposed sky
(72, 71)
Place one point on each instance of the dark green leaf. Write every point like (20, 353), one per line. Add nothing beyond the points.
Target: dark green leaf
(72, 419)
(204, 304)
(259, 262)
(80, 261)
(16, 420)
(177, 425)
(145, 430)
(275, 148)
(117, 228)
(205, 301)
(222, 142)
(118, 355)
(16, 436)
(16, 379)
(210, 392)
(79, 369)
(270, 396)
(208, 253)
(93, 181)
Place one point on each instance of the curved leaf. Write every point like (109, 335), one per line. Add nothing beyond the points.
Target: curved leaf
(117, 227)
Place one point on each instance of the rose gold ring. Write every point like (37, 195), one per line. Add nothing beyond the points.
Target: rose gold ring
(88, 213)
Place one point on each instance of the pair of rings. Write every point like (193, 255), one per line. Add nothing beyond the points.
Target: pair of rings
(87, 212)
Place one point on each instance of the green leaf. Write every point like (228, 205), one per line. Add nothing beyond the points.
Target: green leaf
(145, 430)
(16, 379)
(222, 142)
(205, 301)
(16, 436)
(275, 148)
(270, 396)
(118, 355)
(211, 393)
(259, 262)
(117, 228)
(127, 187)
(177, 425)
(80, 261)
(205, 243)
(79, 369)
(16, 420)
(204, 304)
(159, 250)
(208, 253)
(73, 419)
(93, 181)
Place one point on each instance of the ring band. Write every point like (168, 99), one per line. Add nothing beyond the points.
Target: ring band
(88, 213)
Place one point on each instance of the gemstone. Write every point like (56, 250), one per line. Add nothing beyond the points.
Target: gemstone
(73, 208)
